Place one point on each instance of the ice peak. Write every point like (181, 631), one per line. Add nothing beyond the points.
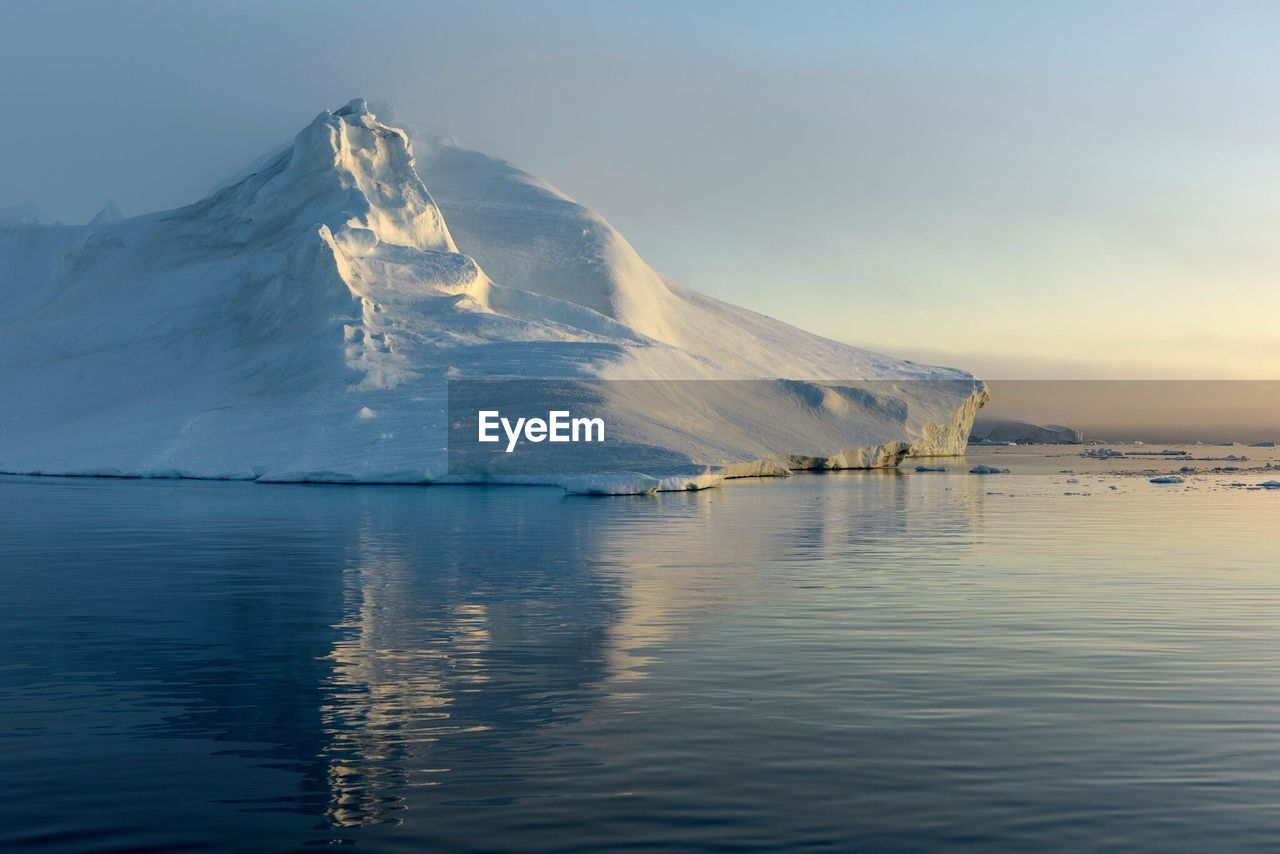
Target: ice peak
(346, 170)
(355, 107)
(110, 213)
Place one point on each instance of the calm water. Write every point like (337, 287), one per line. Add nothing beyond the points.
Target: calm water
(845, 661)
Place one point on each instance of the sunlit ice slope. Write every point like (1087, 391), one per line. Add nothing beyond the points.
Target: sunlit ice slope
(303, 323)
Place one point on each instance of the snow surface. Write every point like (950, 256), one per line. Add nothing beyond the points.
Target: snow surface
(301, 324)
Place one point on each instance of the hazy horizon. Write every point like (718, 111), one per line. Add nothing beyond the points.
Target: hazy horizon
(1173, 411)
(1024, 192)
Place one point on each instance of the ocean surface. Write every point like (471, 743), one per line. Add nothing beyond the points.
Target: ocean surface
(1039, 660)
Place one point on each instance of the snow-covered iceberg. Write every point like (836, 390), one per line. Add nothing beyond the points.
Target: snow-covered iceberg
(302, 324)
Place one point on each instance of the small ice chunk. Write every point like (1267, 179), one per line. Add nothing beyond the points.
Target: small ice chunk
(625, 483)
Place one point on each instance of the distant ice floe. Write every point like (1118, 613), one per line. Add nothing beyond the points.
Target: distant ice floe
(1113, 454)
(1266, 484)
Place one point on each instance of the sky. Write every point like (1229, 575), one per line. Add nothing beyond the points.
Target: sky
(1025, 190)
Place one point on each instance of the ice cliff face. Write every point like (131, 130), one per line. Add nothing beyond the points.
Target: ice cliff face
(302, 323)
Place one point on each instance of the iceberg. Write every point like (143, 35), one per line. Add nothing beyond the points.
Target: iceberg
(24, 213)
(997, 431)
(303, 323)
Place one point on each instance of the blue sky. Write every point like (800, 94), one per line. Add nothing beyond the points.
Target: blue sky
(1022, 189)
